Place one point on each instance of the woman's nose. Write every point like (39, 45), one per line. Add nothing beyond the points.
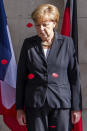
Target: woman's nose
(41, 27)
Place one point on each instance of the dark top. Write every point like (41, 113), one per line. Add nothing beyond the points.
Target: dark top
(55, 78)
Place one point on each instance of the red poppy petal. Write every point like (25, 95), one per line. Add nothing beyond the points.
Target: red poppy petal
(55, 75)
(29, 25)
(52, 126)
(4, 61)
(31, 76)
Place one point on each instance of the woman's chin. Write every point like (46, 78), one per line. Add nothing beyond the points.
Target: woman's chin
(43, 38)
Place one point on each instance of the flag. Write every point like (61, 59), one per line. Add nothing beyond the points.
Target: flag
(69, 25)
(70, 28)
(8, 69)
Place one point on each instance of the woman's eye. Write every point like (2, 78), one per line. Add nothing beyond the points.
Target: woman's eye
(45, 24)
(38, 25)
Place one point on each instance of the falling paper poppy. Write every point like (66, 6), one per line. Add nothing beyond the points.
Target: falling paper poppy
(4, 61)
(31, 76)
(55, 75)
(29, 25)
(52, 126)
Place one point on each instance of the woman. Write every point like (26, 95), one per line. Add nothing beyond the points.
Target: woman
(48, 93)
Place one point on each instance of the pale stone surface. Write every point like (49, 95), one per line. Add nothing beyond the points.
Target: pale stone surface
(23, 8)
(84, 116)
(82, 8)
(83, 75)
(3, 127)
(82, 32)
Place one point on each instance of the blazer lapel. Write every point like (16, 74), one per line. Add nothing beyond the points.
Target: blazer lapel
(40, 50)
(54, 49)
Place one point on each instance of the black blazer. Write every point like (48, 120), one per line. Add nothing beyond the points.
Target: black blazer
(55, 78)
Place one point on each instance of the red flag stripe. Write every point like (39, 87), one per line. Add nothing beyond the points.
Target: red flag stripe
(66, 23)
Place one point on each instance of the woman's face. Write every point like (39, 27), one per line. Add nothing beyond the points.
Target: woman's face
(45, 29)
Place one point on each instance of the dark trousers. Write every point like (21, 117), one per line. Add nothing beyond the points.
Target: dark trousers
(48, 119)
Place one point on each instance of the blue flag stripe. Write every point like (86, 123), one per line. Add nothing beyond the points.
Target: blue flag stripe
(5, 51)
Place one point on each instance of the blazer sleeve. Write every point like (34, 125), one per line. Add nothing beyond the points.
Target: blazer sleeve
(21, 77)
(74, 78)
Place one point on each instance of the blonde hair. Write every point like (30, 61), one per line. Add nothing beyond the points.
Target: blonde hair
(46, 12)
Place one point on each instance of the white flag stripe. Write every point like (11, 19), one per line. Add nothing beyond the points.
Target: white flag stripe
(10, 76)
(8, 87)
(8, 95)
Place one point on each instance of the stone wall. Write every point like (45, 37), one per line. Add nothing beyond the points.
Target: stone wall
(18, 15)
